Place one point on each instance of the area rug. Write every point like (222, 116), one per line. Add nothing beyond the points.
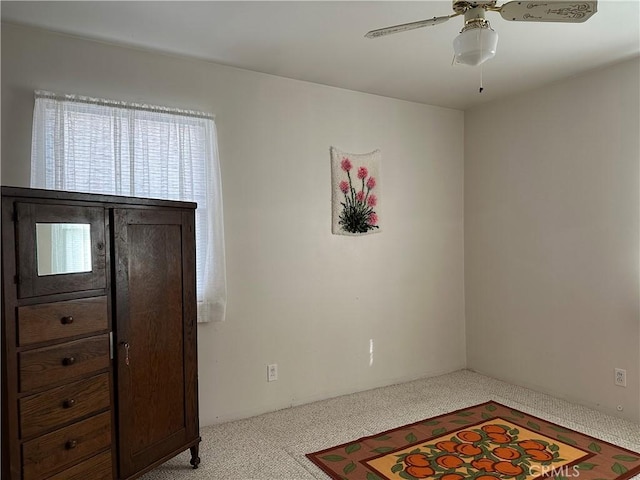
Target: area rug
(484, 442)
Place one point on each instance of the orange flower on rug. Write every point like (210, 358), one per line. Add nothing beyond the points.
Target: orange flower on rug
(484, 442)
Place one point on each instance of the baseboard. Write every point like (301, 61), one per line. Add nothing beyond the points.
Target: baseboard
(629, 416)
(298, 401)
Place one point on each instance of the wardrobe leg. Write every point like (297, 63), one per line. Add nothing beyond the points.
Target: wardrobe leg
(195, 459)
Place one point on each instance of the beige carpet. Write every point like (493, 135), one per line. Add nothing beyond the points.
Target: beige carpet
(273, 446)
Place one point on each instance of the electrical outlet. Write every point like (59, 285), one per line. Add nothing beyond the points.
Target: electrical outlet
(620, 378)
(272, 372)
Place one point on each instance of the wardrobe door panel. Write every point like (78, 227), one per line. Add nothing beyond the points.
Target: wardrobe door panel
(154, 413)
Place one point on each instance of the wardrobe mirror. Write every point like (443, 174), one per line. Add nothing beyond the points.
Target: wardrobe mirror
(63, 248)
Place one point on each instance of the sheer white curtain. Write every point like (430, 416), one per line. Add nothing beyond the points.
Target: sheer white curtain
(70, 248)
(102, 146)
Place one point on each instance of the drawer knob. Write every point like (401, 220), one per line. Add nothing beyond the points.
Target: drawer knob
(71, 444)
(68, 320)
(69, 403)
(68, 361)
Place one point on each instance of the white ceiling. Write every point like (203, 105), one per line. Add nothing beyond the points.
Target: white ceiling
(323, 42)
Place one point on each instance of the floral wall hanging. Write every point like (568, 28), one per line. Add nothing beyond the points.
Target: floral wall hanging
(355, 188)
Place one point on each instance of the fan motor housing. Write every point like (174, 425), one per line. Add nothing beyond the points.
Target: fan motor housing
(461, 6)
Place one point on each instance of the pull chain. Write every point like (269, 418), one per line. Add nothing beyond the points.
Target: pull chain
(481, 68)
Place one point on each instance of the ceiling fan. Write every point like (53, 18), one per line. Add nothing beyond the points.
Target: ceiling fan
(477, 41)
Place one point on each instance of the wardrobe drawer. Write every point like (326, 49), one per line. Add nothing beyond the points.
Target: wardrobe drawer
(46, 366)
(96, 468)
(53, 321)
(61, 405)
(66, 446)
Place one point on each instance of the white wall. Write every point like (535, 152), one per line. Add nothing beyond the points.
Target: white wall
(298, 296)
(552, 206)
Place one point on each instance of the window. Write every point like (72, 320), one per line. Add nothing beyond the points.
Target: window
(101, 146)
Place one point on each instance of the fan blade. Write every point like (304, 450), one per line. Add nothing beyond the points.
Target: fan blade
(408, 26)
(568, 12)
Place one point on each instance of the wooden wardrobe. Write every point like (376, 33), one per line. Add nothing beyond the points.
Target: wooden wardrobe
(99, 360)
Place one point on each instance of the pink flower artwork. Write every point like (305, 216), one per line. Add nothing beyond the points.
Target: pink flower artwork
(354, 204)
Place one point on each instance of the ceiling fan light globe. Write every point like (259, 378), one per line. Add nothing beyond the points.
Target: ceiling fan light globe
(475, 46)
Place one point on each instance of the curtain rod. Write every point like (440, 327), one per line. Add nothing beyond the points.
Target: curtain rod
(120, 104)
